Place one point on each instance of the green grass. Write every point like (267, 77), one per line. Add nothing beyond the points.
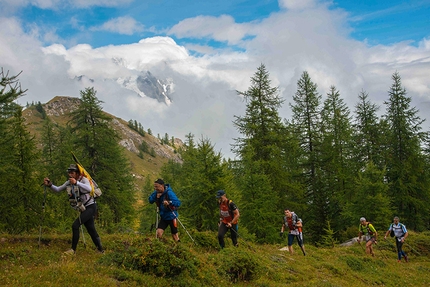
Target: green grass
(141, 260)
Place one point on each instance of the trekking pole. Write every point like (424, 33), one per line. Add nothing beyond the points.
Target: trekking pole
(156, 220)
(82, 230)
(359, 243)
(242, 238)
(412, 249)
(43, 214)
(176, 217)
(383, 254)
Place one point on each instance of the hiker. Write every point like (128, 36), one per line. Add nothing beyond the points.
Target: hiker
(229, 217)
(78, 188)
(294, 224)
(167, 203)
(399, 231)
(366, 228)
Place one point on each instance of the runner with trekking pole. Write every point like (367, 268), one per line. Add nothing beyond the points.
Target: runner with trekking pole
(79, 189)
(399, 231)
(294, 225)
(167, 203)
(229, 217)
(370, 235)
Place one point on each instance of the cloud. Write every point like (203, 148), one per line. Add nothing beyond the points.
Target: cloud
(205, 102)
(123, 25)
(222, 28)
(99, 3)
(297, 4)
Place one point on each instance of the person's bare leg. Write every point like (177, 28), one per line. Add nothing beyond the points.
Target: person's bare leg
(160, 232)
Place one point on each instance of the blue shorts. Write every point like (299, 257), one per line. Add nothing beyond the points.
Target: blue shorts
(291, 239)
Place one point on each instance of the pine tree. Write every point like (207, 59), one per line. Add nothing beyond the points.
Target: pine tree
(337, 168)
(369, 133)
(409, 187)
(306, 121)
(261, 150)
(98, 150)
(24, 200)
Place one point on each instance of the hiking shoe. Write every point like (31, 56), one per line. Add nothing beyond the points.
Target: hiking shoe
(406, 258)
(399, 261)
(69, 252)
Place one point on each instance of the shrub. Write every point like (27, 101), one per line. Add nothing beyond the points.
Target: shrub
(152, 256)
(237, 264)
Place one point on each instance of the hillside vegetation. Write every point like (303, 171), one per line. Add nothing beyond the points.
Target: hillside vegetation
(141, 260)
(59, 110)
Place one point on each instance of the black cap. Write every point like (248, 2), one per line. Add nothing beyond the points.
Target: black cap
(73, 167)
(159, 181)
(220, 193)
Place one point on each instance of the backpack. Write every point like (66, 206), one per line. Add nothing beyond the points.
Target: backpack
(370, 232)
(96, 191)
(392, 233)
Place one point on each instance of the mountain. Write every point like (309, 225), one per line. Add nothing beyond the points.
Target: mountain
(58, 110)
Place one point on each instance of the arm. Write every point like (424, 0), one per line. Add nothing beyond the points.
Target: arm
(84, 185)
(388, 231)
(236, 216)
(360, 233)
(405, 235)
(53, 187)
(153, 197)
(372, 228)
(174, 201)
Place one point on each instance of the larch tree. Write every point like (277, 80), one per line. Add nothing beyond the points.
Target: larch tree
(259, 148)
(406, 175)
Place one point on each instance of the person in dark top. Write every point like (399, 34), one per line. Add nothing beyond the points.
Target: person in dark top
(400, 233)
(229, 216)
(167, 202)
(78, 188)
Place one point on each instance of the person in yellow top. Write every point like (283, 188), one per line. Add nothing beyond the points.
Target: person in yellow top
(365, 228)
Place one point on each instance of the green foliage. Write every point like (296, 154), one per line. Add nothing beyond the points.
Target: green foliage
(328, 238)
(237, 265)
(154, 257)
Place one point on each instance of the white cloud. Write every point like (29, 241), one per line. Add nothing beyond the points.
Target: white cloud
(100, 3)
(222, 28)
(123, 25)
(204, 103)
(297, 4)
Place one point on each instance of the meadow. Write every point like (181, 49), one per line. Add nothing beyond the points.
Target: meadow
(141, 260)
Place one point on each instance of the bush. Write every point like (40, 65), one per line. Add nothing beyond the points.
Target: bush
(152, 256)
(237, 264)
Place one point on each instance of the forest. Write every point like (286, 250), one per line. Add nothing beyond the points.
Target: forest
(329, 164)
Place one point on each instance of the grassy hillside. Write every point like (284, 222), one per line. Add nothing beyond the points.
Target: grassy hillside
(58, 110)
(140, 260)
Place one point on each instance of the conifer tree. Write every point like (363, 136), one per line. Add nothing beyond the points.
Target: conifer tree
(369, 133)
(260, 150)
(337, 169)
(409, 186)
(98, 150)
(306, 121)
(25, 199)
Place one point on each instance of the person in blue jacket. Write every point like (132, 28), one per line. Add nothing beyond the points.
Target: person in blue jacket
(167, 204)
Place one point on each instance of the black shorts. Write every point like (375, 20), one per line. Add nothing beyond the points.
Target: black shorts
(173, 225)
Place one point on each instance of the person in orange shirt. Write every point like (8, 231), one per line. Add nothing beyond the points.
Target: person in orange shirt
(229, 216)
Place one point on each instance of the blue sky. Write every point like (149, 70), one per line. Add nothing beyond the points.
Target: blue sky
(378, 22)
(208, 50)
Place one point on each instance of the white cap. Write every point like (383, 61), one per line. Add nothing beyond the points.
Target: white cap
(362, 219)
